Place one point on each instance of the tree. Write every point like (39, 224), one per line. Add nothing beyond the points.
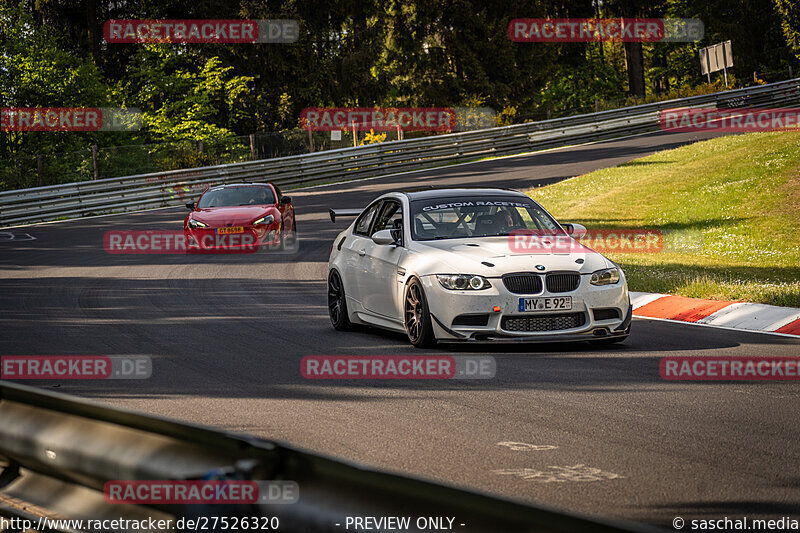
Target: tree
(634, 53)
(36, 72)
(789, 12)
(182, 95)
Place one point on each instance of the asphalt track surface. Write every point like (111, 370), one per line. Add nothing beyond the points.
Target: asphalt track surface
(227, 334)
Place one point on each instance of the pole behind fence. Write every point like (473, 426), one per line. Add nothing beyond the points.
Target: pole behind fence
(94, 161)
(39, 168)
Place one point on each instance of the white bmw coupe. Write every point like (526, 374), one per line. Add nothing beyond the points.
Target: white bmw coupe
(447, 265)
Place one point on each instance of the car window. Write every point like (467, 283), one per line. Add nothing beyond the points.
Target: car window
(391, 217)
(364, 221)
(278, 192)
(236, 196)
(477, 217)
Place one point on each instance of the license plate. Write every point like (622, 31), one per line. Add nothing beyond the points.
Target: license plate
(561, 303)
(232, 229)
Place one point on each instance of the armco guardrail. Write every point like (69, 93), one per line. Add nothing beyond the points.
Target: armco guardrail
(173, 188)
(57, 452)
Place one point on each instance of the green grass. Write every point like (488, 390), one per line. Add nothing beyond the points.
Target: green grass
(729, 208)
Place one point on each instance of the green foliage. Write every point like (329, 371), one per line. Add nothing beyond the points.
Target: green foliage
(789, 12)
(183, 96)
(36, 72)
(577, 88)
(453, 53)
(506, 116)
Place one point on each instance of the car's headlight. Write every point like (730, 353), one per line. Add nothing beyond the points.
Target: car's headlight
(608, 276)
(197, 224)
(269, 219)
(463, 282)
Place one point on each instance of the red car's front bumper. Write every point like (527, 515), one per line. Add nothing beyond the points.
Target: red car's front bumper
(228, 240)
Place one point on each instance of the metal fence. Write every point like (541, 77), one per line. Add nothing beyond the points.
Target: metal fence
(108, 162)
(145, 191)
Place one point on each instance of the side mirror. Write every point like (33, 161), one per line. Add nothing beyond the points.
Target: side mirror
(384, 237)
(575, 230)
(286, 200)
(190, 206)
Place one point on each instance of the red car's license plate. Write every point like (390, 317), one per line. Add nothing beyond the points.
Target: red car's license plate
(232, 229)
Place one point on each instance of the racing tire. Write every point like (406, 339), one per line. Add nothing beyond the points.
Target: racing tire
(417, 316)
(337, 303)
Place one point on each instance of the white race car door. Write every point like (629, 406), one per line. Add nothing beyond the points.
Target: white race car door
(355, 264)
(380, 290)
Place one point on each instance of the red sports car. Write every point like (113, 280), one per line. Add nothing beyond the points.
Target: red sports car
(240, 218)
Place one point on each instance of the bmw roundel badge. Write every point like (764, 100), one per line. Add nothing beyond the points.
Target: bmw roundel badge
(540, 267)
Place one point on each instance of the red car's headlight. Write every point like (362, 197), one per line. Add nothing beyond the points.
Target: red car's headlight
(269, 219)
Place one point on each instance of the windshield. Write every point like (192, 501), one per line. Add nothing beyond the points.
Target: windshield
(456, 218)
(236, 196)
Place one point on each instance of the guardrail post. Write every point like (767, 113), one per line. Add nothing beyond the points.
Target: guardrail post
(252, 146)
(94, 161)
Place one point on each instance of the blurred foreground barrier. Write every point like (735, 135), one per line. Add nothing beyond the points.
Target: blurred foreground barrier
(147, 191)
(57, 452)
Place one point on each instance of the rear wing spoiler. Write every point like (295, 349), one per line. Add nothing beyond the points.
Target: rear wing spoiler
(343, 213)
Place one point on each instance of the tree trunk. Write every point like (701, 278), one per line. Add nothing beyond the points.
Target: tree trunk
(92, 31)
(634, 63)
(660, 82)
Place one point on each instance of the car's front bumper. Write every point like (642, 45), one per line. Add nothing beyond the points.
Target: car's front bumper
(577, 324)
(206, 240)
